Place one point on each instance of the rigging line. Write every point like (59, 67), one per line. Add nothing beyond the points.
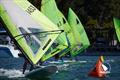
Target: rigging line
(50, 32)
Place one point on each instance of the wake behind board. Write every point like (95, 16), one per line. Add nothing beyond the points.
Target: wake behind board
(41, 72)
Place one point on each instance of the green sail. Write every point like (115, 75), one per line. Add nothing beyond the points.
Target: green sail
(33, 32)
(82, 41)
(49, 8)
(117, 27)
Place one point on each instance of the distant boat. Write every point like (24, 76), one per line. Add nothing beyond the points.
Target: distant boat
(100, 70)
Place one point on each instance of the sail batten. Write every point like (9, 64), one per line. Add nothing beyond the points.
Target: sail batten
(18, 21)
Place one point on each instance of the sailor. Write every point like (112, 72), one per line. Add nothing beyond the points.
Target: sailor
(56, 56)
(26, 63)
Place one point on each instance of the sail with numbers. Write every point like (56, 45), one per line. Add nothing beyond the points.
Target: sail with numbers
(49, 8)
(32, 32)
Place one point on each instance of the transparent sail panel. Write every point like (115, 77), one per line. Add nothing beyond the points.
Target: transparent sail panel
(34, 45)
(41, 36)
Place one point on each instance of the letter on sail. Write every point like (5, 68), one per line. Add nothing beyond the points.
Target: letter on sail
(33, 38)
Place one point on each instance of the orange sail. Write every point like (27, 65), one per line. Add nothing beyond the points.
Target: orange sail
(98, 71)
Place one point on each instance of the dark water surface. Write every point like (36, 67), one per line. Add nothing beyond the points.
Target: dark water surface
(11, 69)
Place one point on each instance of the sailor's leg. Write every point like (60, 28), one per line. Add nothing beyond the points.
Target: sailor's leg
(24, 66)
(31, 67)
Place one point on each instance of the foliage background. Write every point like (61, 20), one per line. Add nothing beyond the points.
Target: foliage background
(95, 15)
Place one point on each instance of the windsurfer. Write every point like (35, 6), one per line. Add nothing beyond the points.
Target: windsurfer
(26, 62)
(25, 65)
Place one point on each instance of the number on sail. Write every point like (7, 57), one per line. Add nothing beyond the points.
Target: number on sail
(30, 9)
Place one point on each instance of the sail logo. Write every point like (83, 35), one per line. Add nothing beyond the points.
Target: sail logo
(30, 9)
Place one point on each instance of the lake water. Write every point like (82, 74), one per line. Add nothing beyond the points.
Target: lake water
(11, 68)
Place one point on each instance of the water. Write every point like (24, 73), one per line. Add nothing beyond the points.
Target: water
(11, 69)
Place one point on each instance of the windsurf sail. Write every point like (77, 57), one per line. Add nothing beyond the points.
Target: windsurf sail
(82, 41)
(100, 70)
(117, 27)
(32, 32)
(49, 8)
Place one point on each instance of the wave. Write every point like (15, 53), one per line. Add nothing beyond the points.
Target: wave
(11, 73)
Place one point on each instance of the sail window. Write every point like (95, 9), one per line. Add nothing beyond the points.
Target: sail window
(34, 45)
(40, 36)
